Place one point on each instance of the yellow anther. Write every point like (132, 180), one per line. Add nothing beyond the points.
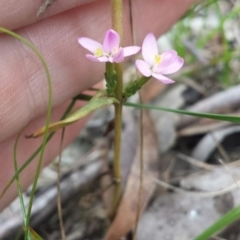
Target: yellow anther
(158, 59)
(98, 52)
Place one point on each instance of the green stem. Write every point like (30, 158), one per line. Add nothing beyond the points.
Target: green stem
(110, 77)
(20, 193)
(116, 6)
(109, 69)
(26, 42)
(17, 178)
(117, 143)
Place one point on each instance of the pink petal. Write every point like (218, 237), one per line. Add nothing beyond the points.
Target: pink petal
(89, 44)
(103, 59)
(143, 68)
(111, 41)
(128, 51)
(95, 59)
(149, 49)
(162, 78)
(110, 59)
(119, 56)
(174, 67)
(168, 57)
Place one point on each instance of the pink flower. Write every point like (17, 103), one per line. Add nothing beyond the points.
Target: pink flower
(109, 51)
(154, 64)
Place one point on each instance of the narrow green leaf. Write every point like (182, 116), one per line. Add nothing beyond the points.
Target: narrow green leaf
(98, 101)
(221, 117)
(36, 152)
(224, 221)
(49, 108)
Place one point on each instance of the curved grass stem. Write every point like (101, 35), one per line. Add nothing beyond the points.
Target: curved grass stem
(19, 188)
(35, 50)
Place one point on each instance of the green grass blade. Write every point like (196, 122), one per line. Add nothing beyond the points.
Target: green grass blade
(19, 188)
(44, 142)
(20, 193)
(224, 221)
(30, 159)
(221, 117)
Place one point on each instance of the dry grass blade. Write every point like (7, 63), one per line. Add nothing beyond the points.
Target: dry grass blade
(126, 215)
(44, 6)
(197, 193)
(196, 163)
(34, 235)
(59, 200)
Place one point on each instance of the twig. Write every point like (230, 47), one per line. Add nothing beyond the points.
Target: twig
(195, 162)
(226, 167)
(140, 191)
(44, 6)
(220, 148)
(60, 216)
(195, 193)
(74, 182)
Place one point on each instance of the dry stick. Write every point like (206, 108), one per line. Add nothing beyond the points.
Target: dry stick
(140, 191)
(195, 193)
(197, 163)
(233, 177)
(116, 8)
(59, 200)
(220, 148)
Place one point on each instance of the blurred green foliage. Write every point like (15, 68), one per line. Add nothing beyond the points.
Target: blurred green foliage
(213, 30)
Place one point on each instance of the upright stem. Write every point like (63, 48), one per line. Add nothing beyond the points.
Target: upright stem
(117, 26)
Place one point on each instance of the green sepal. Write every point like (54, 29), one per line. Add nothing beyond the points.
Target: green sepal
(111, 84)
(134, 86)
(131, 89)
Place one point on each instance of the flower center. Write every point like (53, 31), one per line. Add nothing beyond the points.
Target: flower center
(157, 59)
(98, 53)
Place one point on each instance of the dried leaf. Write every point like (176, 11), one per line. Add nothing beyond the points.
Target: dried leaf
(98, 101)
(34, 235)
(126, 215)
(44, 6)
(202, 128)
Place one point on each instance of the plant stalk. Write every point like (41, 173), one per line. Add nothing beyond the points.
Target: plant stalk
(116, 6)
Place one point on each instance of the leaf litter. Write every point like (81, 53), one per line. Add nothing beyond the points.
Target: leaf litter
(125, 218)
